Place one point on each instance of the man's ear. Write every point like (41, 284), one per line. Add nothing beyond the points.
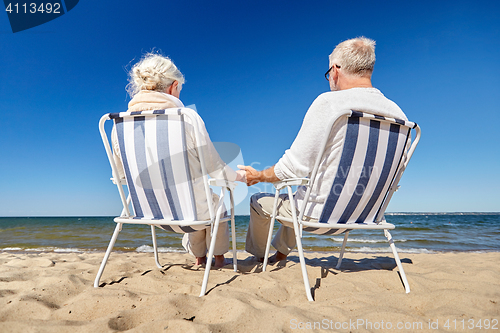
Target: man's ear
(335, 73)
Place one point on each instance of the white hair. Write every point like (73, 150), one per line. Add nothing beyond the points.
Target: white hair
(153, 72)
(355, 56)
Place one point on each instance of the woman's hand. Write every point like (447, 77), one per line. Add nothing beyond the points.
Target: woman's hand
(241, 175)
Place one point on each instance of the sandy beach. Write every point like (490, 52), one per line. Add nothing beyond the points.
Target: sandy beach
(53, 292)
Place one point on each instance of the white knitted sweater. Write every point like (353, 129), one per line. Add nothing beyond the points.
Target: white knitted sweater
(298, 161)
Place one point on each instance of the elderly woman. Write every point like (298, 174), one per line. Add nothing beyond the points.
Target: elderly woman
(155, 83)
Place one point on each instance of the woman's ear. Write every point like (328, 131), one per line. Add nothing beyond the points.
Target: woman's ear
(172, 89)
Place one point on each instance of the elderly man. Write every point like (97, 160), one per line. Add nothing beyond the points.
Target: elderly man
(349, 74)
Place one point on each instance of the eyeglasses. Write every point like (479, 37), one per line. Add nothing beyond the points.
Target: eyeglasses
(327, 74)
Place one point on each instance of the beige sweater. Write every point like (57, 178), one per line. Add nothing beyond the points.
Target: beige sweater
(216, 168)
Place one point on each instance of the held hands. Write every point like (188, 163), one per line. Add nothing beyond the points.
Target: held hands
(252, 175)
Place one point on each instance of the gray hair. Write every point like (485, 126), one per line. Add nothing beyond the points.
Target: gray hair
(153, 72)
(355, 56)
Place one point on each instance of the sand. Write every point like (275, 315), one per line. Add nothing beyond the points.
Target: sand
(53, 292)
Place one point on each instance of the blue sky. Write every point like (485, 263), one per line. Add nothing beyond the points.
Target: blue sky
(252, 68)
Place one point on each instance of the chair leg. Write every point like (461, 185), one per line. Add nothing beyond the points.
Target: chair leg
(118, 228)
(341, 255)
(299, 246)
(303, 267)
(155, 247)
(210, 253)
(233, 233)
(398, 262)
(271, 227)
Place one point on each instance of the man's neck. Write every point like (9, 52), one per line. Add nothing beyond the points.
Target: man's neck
(355, 82)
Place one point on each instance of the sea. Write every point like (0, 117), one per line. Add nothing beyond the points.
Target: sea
(414, 233)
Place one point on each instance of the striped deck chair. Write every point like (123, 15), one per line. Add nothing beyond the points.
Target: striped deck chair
(380, 148)
(157, 174)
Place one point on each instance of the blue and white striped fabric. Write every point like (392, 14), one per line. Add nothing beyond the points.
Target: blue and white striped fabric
(372, 153)
(154, 155)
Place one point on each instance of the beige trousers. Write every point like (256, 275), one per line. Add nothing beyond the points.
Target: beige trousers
(261, 208)
(197, 243)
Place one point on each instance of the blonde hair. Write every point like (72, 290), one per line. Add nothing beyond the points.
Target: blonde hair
(355, 56)
(153, 72)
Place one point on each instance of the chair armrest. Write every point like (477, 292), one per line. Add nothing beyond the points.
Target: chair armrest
(291, 182)
(121, 181)
(222, 183)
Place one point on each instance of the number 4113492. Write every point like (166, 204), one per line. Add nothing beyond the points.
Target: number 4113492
(33, 8)
(471, 324)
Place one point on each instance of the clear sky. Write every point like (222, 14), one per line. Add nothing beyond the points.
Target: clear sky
(252, 69)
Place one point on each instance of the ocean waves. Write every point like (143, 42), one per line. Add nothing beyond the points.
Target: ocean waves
(414, 233)
(365, 240)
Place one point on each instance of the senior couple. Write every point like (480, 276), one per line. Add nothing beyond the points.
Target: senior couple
(156, 83)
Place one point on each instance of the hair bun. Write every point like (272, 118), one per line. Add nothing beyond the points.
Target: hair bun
(153, 72)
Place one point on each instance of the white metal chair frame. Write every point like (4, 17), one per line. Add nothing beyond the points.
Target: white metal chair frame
(215, 212)
(298, 222)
